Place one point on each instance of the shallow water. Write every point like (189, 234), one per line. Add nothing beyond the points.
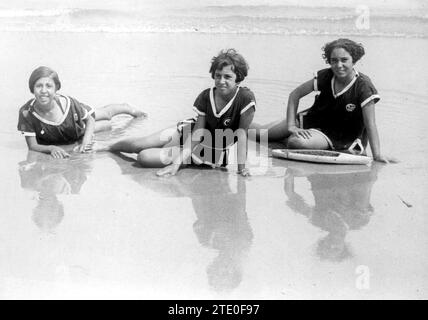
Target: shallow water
(97, 226)
(398, 18)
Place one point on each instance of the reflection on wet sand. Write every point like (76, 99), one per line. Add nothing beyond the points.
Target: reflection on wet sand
(342, 202)
(219, 202)
(51, 177)
(222, 224)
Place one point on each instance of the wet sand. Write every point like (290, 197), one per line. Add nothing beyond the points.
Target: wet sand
(97, 226)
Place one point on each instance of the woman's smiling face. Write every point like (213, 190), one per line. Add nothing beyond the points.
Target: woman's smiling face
(44, 91)
(341, 63)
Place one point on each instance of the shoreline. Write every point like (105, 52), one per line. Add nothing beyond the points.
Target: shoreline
(243, 33)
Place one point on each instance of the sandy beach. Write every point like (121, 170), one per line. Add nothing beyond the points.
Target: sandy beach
(97, 226)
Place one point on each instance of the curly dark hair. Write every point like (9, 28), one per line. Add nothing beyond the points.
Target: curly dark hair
(230, 57)
(356, 50)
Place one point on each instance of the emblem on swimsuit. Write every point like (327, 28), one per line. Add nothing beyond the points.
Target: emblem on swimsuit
(350, 107)
(226, 122)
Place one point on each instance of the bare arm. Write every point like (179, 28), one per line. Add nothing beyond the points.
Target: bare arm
(370, 124)
(53, 150)
(293, 103)
(194, 138)
(89, 133)
(185, 153)
(242, 134)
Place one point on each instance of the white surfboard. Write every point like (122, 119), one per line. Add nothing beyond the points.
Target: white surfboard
(320, 156)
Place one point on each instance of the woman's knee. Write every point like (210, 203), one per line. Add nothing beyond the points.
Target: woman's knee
(314, 142)
(296, 142)
(144, 158)
(154, 158)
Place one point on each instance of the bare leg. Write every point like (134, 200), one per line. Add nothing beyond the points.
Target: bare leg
(277, 130)
(316, 141)
(102, 125)
(164, 138)
(109, 111)
(157, 157)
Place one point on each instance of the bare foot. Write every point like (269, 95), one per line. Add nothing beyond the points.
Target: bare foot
(100, 146)
(135, 112)
(138, 113)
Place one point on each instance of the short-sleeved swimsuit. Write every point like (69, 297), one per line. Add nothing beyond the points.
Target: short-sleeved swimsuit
(69, 129)
(339, 116)
(214, 151)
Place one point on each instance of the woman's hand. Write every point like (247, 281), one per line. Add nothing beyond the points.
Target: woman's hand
(383, 159)
(244, 172)
(303, 133)
(170, 170)
(59, 153)
(86, 147)
(87, 140)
